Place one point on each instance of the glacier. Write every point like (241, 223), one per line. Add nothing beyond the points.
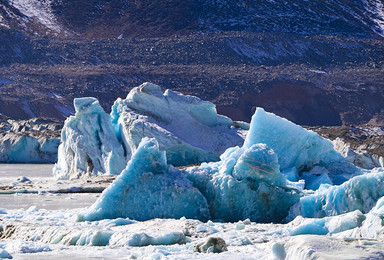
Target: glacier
(29, 141)
(360, 157)
(88, 146)
(28, 149)
(186, 127)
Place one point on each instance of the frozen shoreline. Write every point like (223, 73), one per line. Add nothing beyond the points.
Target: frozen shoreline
(55, 234)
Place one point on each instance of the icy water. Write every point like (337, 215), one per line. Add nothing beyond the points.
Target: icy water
(38, 172)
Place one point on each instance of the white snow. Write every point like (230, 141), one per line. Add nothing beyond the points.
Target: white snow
(39, 10)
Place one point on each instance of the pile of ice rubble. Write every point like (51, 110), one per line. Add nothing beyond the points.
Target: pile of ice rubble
(281, 173)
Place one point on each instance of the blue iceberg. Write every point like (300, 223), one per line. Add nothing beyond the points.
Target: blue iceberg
(298, 147)
(149, 188)
(326, 225)
(359, 193)
(246, 183)
(89, 146)
(186, 127)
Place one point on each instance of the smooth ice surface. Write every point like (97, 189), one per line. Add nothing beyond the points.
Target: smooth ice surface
(298, 147)
(186, 127)
(47, 201)
(89, 146)
(359, 193)
(149, 188)
(322, 247)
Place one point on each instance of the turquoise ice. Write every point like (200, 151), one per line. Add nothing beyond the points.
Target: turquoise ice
(149, 188)
(246, 183)
(359, 193)
(298, 147)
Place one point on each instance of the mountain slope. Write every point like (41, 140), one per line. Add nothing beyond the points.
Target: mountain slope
(154, 18)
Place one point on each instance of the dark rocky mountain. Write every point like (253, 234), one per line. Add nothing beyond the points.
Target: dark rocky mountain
(314, 62)
(149, 18)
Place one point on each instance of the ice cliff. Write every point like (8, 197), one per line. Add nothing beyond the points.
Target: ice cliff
(187, 128)
(89, 146)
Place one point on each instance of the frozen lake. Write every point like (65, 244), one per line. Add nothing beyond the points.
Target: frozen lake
(9, 173)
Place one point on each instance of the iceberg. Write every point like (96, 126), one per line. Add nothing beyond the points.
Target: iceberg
(28, 149)
(149, 188)
(29, 141)
(373, 226)
(246, 183)
(89, 146)
(186, 127)
(298, 147)
(359, 193)
(327, 225)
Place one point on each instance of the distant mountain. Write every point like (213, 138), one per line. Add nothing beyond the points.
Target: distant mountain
(150, 18)
(315, 62)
